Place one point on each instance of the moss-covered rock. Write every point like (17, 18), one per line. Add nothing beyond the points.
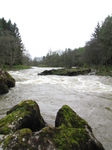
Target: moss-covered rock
(24, 115)
(67, 72)
(51, 139)
(18, 140)
(25, 139)
(6, 81)
(63, 138)
(68, 118)
(71, 132)
(76, 130)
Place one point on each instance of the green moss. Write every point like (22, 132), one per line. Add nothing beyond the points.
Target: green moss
(8, 75)
(59, 72)
(64, 138)
(68, 118)
(66, 72)
(25, 114)
(70, 138)
(29, 102)
(23, 105)
(7, 140)
(70, 132)
(7, 124)
(18, 140)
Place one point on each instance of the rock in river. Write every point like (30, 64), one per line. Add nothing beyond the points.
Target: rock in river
(66, 72)
(6, 81)
(71, 132)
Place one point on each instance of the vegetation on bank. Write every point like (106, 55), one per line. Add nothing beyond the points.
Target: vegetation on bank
(19, 67)
(103, 70)
(15, 67)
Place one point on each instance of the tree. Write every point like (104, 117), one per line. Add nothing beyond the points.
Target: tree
(11, 46)
(26, 58)
(99, 49)
(96, 33)
(106, 41)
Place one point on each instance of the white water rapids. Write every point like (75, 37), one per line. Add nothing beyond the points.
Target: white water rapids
(89, 96)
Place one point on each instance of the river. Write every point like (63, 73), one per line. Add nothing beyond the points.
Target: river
(89, 96)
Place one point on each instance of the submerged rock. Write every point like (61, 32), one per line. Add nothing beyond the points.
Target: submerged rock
(71, 132)
(67, 72)
(6, 81)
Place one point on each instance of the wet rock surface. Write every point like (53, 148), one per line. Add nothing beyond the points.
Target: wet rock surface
(6, 82)
(67, 72)
(71, 132)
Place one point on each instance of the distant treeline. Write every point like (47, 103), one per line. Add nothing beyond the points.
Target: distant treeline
(67, 58)
(97, 51)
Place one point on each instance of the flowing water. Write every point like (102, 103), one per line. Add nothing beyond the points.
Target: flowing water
(89, 96)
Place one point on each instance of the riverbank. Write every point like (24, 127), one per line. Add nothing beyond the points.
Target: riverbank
(103, 70)
(15, 67)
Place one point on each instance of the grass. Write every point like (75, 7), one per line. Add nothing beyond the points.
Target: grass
(15, 67)
(19, 67)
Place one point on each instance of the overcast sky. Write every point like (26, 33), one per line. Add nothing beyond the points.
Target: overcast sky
(55, 24)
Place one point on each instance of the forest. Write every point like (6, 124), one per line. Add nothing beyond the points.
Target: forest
(97, 51)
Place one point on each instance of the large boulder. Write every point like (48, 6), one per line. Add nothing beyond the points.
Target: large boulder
(24, 115)
(71, 132)
(75, 130)
(6, 81)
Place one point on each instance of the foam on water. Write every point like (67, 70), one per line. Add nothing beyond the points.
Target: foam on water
(93, 84)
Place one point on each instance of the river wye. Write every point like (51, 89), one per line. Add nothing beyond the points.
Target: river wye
(89, 96)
